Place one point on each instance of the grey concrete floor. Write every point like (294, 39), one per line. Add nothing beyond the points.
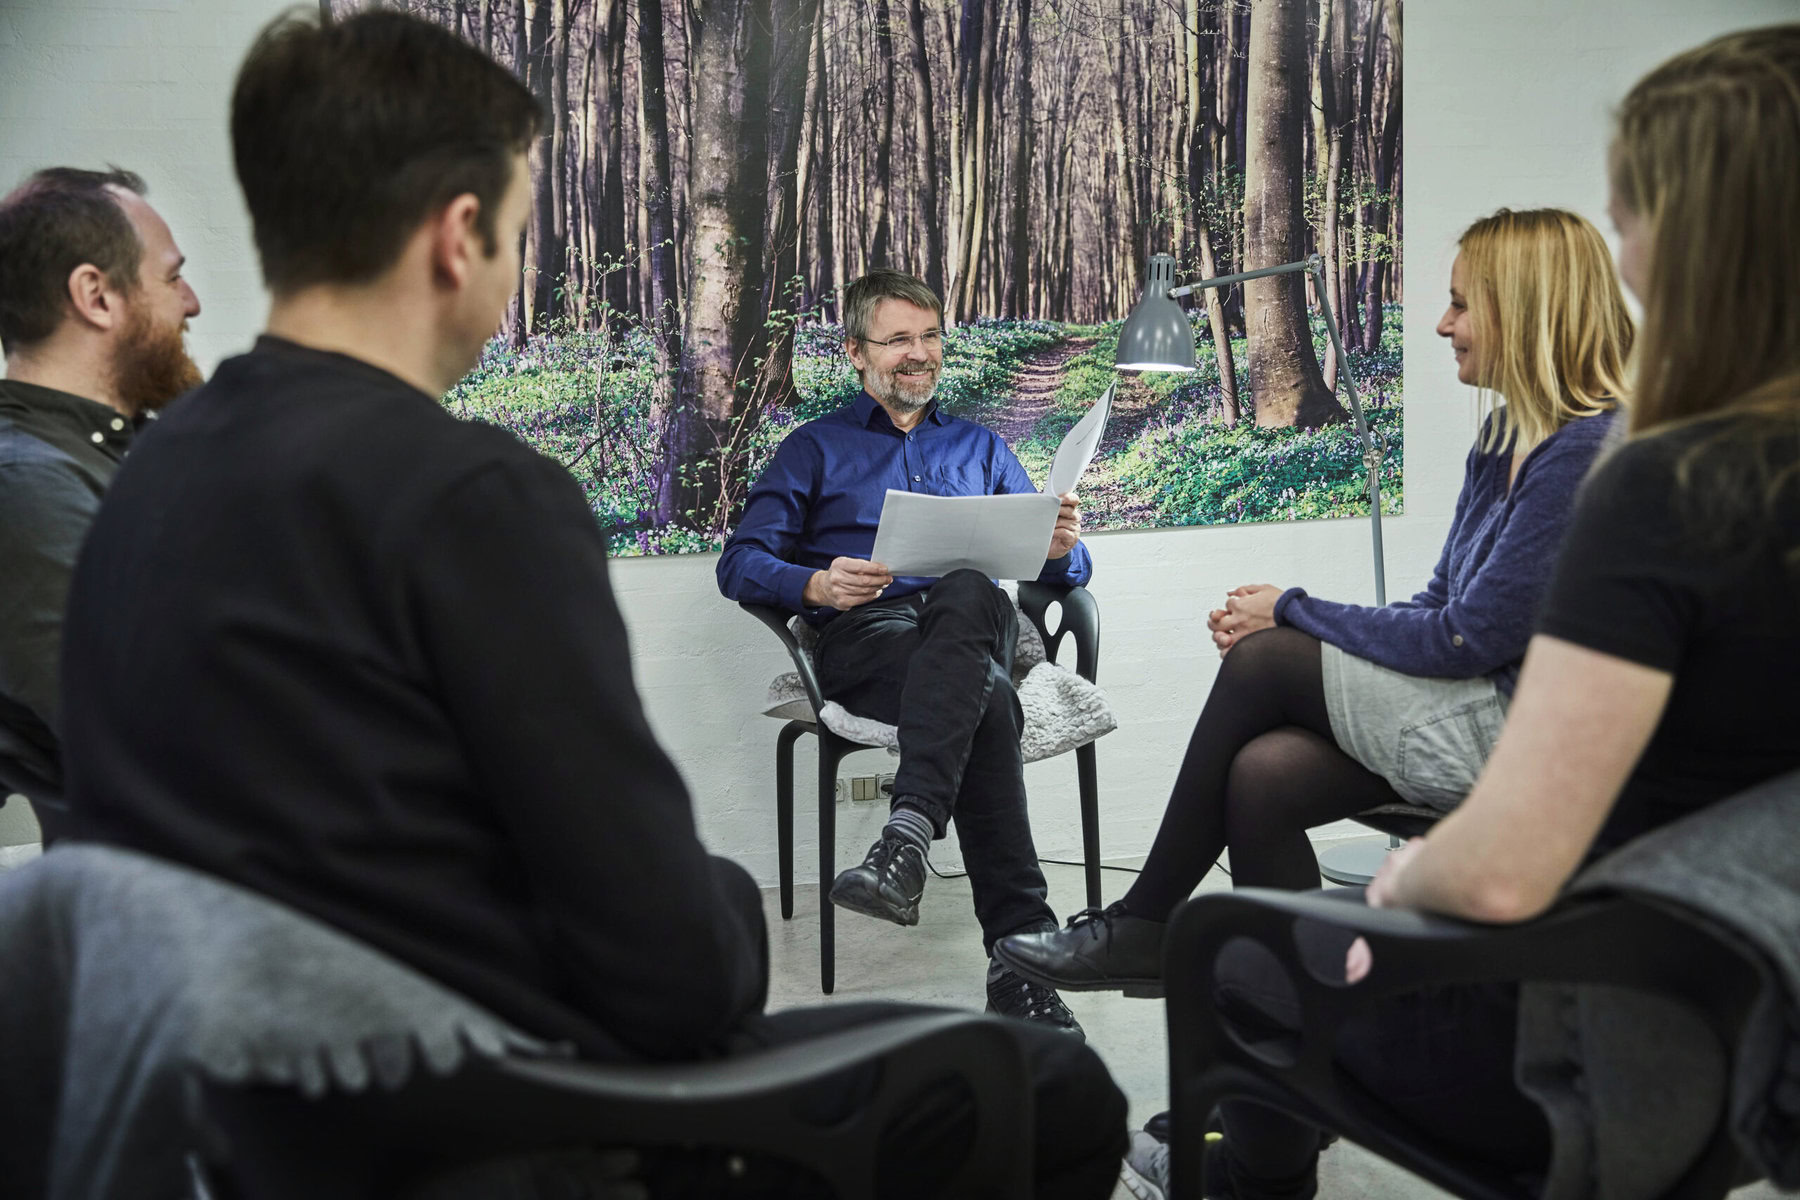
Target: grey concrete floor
(940, 962)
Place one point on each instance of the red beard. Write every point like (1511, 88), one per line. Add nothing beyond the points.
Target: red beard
(153, 366)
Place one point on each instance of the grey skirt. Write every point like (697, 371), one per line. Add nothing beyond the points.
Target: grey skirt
(1429, 738)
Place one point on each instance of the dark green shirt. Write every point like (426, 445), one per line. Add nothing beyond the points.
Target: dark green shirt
(58, 453)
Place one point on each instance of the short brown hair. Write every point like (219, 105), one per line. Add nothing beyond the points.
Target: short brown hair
(347, 135)
(57, 220)
(861, 297)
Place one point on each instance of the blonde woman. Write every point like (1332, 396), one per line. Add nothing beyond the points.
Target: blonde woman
(1322, 710)
(1665, 673)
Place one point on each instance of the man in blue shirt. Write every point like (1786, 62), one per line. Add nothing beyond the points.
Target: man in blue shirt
(932, 656)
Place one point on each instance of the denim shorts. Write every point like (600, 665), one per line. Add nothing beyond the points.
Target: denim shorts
(1429, 738)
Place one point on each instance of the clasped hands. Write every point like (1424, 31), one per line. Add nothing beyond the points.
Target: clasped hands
(850, 582)
(1247, 609)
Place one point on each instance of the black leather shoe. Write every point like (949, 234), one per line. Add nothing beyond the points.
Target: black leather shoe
(887, 885)
(1012, 995)
(1101, 950)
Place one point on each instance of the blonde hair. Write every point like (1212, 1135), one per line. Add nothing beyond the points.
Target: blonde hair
(1555, 330)
(1707, 153)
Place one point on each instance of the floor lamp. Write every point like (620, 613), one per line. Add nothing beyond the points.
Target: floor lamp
(1158, 336)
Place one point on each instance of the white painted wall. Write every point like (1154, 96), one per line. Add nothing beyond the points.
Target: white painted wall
(1506, 103)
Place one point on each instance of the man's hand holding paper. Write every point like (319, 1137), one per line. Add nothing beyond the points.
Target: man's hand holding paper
(847, 583)
(1068, 526)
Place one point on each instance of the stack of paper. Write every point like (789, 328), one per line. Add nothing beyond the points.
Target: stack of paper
(1003, 537)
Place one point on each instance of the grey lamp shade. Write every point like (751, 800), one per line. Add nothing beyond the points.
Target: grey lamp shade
(1157, 335)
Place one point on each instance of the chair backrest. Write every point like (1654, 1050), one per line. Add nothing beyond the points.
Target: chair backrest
(1618, 942)
(141, 972)
(322, 1061)
(560, 1117)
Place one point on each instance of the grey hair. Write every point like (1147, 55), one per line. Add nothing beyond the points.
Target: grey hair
(861, 297)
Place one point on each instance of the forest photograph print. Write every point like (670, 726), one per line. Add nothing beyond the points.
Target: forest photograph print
(713, 173)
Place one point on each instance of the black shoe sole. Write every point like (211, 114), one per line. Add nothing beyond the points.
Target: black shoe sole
(1135, 989)
(850, 892)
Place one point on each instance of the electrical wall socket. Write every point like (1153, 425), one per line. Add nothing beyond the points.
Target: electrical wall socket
(865, 789)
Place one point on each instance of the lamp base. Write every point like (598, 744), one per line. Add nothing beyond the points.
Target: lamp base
(1354, 863)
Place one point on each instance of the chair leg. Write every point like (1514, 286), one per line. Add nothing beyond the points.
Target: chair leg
(829, 757)
(784, 811)
(1088, 776)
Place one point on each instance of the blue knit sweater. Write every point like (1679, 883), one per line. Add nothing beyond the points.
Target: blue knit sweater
(1476, 615)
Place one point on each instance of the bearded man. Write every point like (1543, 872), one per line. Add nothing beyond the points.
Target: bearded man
(93, 308)
(932, 656)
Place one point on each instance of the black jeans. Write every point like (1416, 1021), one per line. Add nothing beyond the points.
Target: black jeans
(938, 664)
(1442, 1058)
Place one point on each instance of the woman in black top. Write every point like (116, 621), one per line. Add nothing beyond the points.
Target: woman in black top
(1665, 675)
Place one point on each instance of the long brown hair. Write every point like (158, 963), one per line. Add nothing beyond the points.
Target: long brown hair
(1547, 299)
(1708, 153)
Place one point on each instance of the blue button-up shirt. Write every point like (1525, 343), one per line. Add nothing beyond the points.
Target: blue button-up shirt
(821, 499)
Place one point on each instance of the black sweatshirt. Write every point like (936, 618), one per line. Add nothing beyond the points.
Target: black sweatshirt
(334, 645)
(1647, 574)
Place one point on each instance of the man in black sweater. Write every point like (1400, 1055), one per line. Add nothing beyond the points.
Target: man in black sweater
(335, 646)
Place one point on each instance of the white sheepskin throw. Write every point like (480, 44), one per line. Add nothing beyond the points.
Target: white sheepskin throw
(1062, 710)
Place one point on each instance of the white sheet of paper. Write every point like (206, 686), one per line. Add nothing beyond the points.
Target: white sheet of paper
(1003, 537)
(1078, 446)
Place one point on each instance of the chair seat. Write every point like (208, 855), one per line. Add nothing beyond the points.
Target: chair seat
(1062, 711)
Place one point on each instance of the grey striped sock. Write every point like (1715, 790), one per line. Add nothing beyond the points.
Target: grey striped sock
(912, 824)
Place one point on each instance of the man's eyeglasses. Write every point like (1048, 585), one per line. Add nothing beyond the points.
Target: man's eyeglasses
(931, 339)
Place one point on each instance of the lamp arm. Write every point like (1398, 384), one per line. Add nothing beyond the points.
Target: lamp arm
(1372, 452)
(1227, 280)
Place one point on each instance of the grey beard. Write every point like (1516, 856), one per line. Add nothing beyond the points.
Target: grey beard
(902, 401)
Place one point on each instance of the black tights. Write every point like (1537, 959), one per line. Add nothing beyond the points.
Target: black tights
(1261, 769)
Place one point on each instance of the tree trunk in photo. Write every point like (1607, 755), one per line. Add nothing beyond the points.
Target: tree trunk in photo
(925, 129)
(1195, 127)
(661, 316)
(879, 213)
(825, 170)
(546, 73)
(975, 76)
(612, 236)
(1383, 170)
(728, 170)
(1331, 55)
(1018, 300)
(1289, 388)
(783, 288)
(1227, 144)
(518, 312)
(1133, 263)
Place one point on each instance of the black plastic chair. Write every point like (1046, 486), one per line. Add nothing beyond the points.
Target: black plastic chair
(1624, 942)
(1080, 622)
(272, 1143)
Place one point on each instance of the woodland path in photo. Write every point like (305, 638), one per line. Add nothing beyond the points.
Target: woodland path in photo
(1036, 383)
